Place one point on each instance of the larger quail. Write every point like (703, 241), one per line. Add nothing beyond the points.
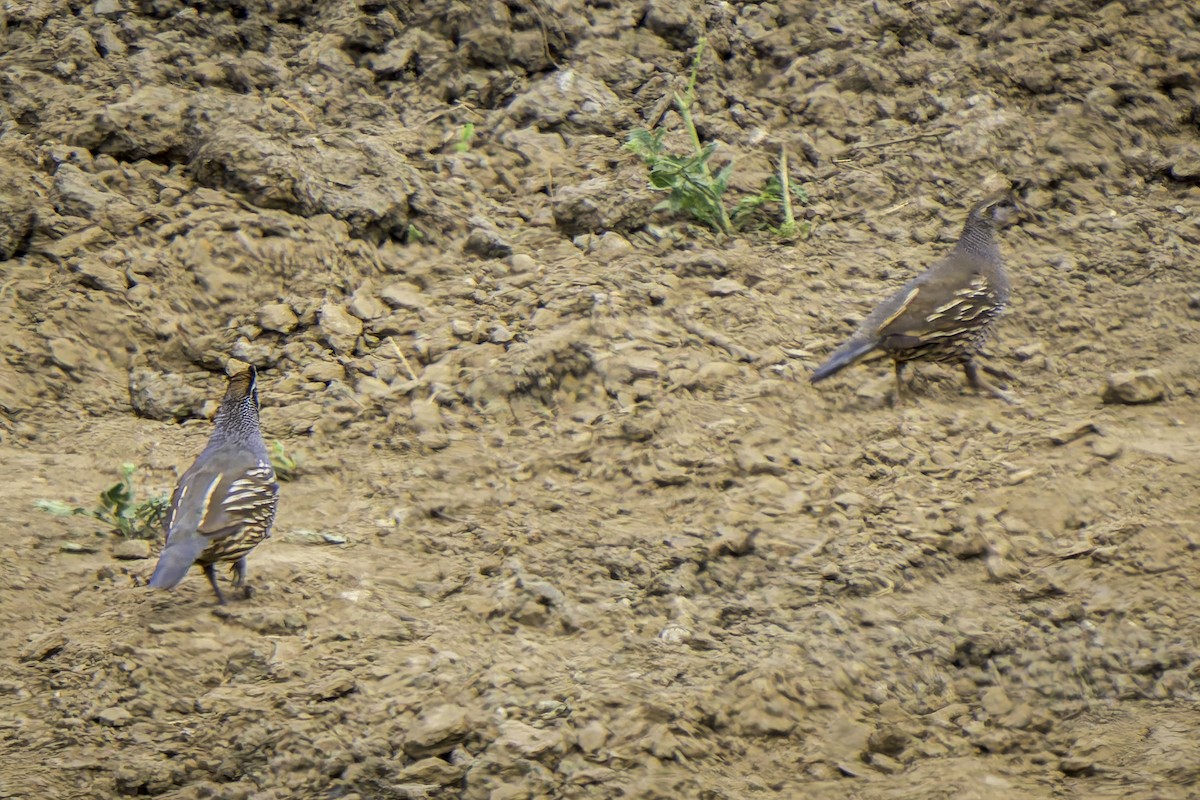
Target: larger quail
(945, 314)
(225, 503)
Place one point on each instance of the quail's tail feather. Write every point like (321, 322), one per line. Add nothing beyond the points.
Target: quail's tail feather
(175, 561)
(848, 354)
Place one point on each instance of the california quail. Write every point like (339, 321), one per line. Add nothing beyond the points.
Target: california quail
(225, 502)
(943, 315)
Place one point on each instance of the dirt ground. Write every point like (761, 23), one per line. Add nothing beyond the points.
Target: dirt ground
(601, 538)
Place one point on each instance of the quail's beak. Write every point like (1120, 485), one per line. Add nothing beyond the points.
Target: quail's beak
(1010, 213)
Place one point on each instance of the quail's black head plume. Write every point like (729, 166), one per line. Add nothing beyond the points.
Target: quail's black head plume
(225, 503)
(946, 313)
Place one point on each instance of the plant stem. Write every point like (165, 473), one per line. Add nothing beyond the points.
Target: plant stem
(684, 105)
(789, 220)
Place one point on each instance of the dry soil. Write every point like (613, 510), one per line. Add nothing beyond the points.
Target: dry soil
(570, 521)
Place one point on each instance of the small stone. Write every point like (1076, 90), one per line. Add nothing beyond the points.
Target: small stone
(433, 771)
(370, 386)
(1070, 433)
(367, 307)
(592, 736)
(1077, 765)
(714, 375)
(527, 741)
(402, 295)
(995, 701)
(1106, 448)
(164, 396)
(849, 499)
(522, 263)
(1020, 717)
(114, 717)
(500, 335)
(672, 22)
(487, 244)
(108, 8)
(1027, 351)
(43, 647)
(131, 549)
(724, 287)
(886, 764)
(610, 246)
(337, 684)
(260, 352)
(324, 371)
(340, 328)
(68, 354)
(1133, 388)
(277, 317)
(437, 731)
(1185, 163)
(752, 461)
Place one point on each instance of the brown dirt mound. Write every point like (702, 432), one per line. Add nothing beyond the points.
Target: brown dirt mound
(602, 539)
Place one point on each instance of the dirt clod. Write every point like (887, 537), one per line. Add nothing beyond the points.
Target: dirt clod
(1133, 388)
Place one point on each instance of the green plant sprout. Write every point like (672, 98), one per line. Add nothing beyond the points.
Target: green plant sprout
(119, 509)
(286, 467)
(465, 134)
(690, 183)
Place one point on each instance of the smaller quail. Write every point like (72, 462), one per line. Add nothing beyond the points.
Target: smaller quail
(225, 503)
(944, 315)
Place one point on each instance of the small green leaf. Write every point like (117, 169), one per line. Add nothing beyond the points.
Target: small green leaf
(59, 509)
(721, 179)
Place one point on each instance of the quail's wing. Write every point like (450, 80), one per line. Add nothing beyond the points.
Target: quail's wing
(940, 301)
(216, 502)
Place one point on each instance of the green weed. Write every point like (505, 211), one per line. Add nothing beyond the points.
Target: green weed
(465, 134)
(286, 467)
(119, 509)
(692, 187)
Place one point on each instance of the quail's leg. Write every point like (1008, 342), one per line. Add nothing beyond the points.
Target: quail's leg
(239, 580)
(211, 571)
(979, 384)
(899, 365)
(997, 372)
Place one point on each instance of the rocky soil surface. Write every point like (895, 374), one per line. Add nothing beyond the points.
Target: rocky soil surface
(570, 521)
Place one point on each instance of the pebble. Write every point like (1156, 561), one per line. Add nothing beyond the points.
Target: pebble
(724, 287)
(522, 263)
(1134, 388)
(324, 371)
(592, 736)
(131, 549)
(995, 701)
(714, 375)
(527, 741)
(114, 717)
(610, 246)
(337, 684)
(367, 307)
(340, 328)
(433, 771)
(888, 740)
(487, 243)
(1106, 448)
(849, 499)
(403, 295)
(437, 731)
(277, 317)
